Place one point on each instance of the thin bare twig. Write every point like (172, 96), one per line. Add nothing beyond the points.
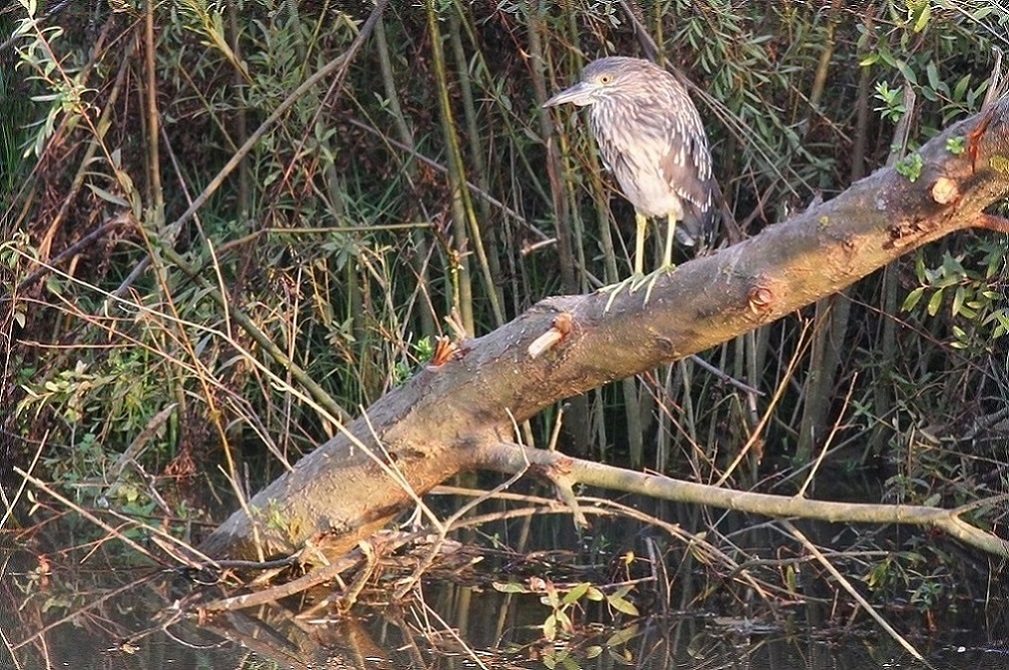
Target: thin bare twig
(847, 586)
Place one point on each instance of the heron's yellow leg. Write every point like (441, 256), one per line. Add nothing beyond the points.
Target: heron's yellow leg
(667, 253)
(634, 281)
(639, 243)
(667, 259)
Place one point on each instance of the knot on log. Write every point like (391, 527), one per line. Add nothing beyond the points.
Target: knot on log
(759, 298)
(945, 191)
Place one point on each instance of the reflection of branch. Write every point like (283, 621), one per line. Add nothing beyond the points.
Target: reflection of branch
(277, 634)
(846, 585)
(407, 584)
(510, 458)
(697, 544)
(314, 578)
(93, 602)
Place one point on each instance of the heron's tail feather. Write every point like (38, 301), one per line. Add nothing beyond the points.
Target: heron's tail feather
(699, 227)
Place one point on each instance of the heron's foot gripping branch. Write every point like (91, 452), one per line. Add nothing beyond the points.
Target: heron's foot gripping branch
(649, 280)
(634, 283)
(614, 289)
(631, 284)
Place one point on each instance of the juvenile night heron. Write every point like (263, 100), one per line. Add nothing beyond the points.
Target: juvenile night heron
(651, 138)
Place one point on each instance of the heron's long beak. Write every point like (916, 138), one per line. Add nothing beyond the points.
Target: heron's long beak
(579, 94)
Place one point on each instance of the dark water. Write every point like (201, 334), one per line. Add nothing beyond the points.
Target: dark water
(68, 601)
(97, 615)
(95, 637)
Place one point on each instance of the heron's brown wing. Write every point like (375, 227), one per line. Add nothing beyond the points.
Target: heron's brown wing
(686, 163)
(699, 223)
(686, 168)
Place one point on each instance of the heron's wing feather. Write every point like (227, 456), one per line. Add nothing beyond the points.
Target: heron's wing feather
(685, 161)
(686, 164)
(685, 181)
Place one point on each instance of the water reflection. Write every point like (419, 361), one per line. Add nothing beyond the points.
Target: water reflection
(113, 619)
(81, 608)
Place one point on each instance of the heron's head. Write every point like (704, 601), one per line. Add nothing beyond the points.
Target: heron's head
(606, 77)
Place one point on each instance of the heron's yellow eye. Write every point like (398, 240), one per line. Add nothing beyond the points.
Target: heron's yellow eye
(605, 78)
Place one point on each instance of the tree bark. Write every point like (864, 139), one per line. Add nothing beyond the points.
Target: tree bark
(439, 423)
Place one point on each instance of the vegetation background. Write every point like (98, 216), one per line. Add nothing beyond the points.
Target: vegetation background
(423, 180)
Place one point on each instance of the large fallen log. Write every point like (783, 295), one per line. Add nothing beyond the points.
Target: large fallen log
(453, 417)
